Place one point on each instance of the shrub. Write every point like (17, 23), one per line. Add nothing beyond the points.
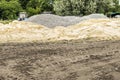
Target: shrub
(9, 10)
(38, 6)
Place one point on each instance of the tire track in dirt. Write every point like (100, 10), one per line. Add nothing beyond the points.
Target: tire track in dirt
(71, 60)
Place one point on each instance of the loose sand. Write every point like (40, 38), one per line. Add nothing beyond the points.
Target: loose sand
(94, 29)
(89, 50)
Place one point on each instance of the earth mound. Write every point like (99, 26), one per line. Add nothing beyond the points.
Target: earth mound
(51, 20)
(93, 29)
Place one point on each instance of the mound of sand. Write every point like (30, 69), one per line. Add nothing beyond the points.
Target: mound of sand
(51, 20)
(94, 29)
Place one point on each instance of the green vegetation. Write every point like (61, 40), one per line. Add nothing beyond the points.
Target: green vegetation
(84, 7)
(5, 21)
(74, 7)
(9, 9)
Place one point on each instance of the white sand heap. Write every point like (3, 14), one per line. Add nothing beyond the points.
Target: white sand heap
(99, 29)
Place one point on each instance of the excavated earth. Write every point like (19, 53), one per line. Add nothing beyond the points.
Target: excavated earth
(62, 60)
(89, 50)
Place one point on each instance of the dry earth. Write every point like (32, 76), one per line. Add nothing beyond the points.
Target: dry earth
(98, 29)
(89, 50)
(65, 60)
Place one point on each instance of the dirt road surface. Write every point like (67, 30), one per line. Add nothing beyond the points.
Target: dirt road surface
(65, 60)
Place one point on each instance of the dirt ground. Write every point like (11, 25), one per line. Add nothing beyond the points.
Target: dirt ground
(65, 60)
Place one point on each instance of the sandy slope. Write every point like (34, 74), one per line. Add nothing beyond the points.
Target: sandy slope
(99, 29)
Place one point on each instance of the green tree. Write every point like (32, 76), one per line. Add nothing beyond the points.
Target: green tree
(24, 3)
(116, 5)
(89, 7)
(38, 6)
(74, 7)
(104, 6)
(33, 7)
(63, 7)
(46, 5)
(9, 10)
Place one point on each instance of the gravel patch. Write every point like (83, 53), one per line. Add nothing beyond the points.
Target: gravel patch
(51, 20)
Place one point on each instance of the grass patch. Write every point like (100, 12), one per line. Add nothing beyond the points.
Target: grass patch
(5, 21)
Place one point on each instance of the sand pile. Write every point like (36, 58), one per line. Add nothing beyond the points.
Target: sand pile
(51, 20)
(94, 29)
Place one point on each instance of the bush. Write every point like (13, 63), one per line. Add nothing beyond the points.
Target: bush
(46, 5)
(5, 21)
(33, 7)
(103, 6)
(32, 11)
(109, 14)
(116, 7)
(89, 7)
(38, 6)
(9, 10)
(24, 3)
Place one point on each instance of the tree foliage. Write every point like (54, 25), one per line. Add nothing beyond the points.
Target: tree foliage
(33, 7)
(38, 6)
(103, 6)
(74, 7)
(23, 3)
(84, 7)
(9, 10)
(89, 7)
(116, 7)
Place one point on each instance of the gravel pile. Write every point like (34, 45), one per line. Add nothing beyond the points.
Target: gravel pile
(51, 20)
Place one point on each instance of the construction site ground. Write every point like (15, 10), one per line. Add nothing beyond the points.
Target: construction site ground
(62, 60)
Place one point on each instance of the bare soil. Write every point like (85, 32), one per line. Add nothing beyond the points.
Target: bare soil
(65, 60)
